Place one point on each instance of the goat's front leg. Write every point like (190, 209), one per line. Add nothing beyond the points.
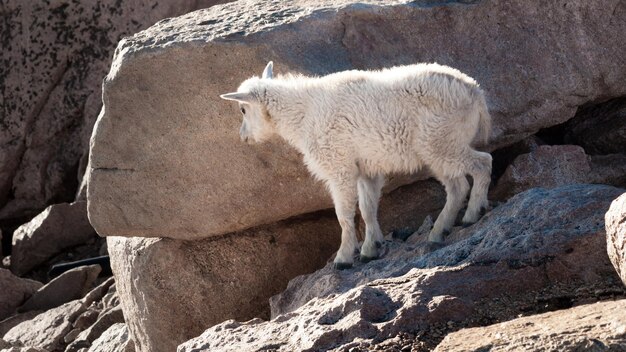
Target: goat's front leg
(369, 196)
(344, 194)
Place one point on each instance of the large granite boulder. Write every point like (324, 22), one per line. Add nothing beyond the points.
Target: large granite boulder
(542, 250)
(616, 235)
(54, 55)
(172, 290)
(166, 159)
(592, 327)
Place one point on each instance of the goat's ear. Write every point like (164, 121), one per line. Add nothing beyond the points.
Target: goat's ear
(269, 71)
(239, 97)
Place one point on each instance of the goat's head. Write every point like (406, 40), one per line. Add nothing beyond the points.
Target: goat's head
(257, 125)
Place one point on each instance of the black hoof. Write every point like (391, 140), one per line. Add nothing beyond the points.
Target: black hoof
(483, 211)
(366, 259)
(342, 266)
(466, 224)
(445, 233)
(378, 244)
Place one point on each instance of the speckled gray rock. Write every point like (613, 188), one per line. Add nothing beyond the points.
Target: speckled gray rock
(58, 227)
(171, 290)
(14, 292)
(72, 284)
(541, 246)
(8, 323)
(54, 55)
(114, 339)
(105, 320)
(47, 329)
(594, 327)
(616, 235)
(530, 227)
(166, 159)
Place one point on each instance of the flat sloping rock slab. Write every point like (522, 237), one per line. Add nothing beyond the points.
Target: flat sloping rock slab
(556, 228)
(544, 249)
(166, 159)
(594, 327)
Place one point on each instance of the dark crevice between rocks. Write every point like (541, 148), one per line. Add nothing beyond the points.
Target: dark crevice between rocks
(8, 226)
(503, 157)
(94, 248)
(598, 127)
(67, 192)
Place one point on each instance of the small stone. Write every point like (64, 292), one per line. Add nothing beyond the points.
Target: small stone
(86, 319)
(71, 336)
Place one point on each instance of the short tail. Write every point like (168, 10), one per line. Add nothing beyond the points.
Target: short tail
(484, 121)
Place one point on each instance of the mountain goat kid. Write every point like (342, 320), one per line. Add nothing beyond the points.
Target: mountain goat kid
(354, 127)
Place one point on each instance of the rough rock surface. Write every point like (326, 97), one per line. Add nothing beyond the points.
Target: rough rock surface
(105, 320)
(115, 339)
(8, 323)
(49, 330)
(616, 235)
(54, 55)
(71, 285)
(558, 165)
(58, 227)
(169, 139)
(22, 349)
(542, 250)
(171, 290)
(593, 327)
(14, 292)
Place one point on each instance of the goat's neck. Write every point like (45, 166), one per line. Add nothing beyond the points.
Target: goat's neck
(287, 108)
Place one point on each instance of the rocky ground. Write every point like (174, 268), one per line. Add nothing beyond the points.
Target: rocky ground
(212, 245)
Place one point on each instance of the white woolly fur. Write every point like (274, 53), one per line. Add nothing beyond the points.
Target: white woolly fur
(355, 127)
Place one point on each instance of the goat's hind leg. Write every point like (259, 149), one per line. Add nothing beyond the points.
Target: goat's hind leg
(480, 168)
(344, 194)
(456, 191)
(369, 196)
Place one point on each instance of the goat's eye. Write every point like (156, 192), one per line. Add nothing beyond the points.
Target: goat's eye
(243, 110)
